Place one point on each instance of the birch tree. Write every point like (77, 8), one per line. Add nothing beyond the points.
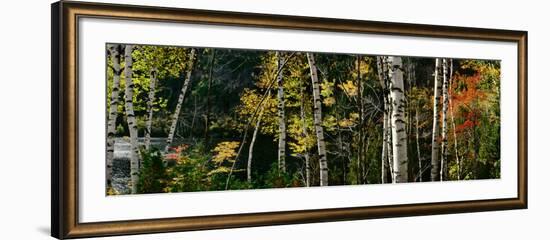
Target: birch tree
(381, 79)
(416, 102)
(318, 120)
(130, 117)
(281, 113)
(208, 100)
(305, 135)
(399, 135)
(386, 161)
(417, 136)
(115, 53)
(251, 147)
(176, 114)
(445, 96)
(458, 172)
(361, 149)
(150, 101)
(435, 128)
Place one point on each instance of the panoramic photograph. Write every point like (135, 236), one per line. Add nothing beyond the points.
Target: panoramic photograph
(188, 119)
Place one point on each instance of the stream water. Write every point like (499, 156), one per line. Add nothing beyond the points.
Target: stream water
(121, 162)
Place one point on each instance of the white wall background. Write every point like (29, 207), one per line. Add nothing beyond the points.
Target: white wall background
(25, 119)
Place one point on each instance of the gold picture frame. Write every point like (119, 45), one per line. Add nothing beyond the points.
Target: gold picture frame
(65, 127)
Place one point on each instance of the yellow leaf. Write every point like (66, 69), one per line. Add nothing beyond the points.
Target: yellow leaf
(349, 87)
(345, 123)
(225, 151)
(329, 101)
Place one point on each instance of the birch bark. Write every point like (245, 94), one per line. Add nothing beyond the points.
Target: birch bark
(417, 135)
(251, 148)
(386, 161)
(181, 99)
(306, 136)
(445, 96)
(458, 163)
(281, 114)
(130, 117)
(115, 52)
(318, 120)
(360, 128)
(150, 101)
(435, 128)
(399, 135)
(208, 100)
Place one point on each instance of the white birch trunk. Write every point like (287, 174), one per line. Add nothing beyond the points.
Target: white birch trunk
(399, 135)
(132, 125)
(453, 121)
(361, 150)
(208, 100)
(318, 120)
(306, 136)
(387, 95)
(435, 129)
(115, 52)
(181, 99)
(420, 170)
(445, 95)
(386, 148)
(281, 114)
(389, 145)
(150, 101)
(251, 148)
(382, 76)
